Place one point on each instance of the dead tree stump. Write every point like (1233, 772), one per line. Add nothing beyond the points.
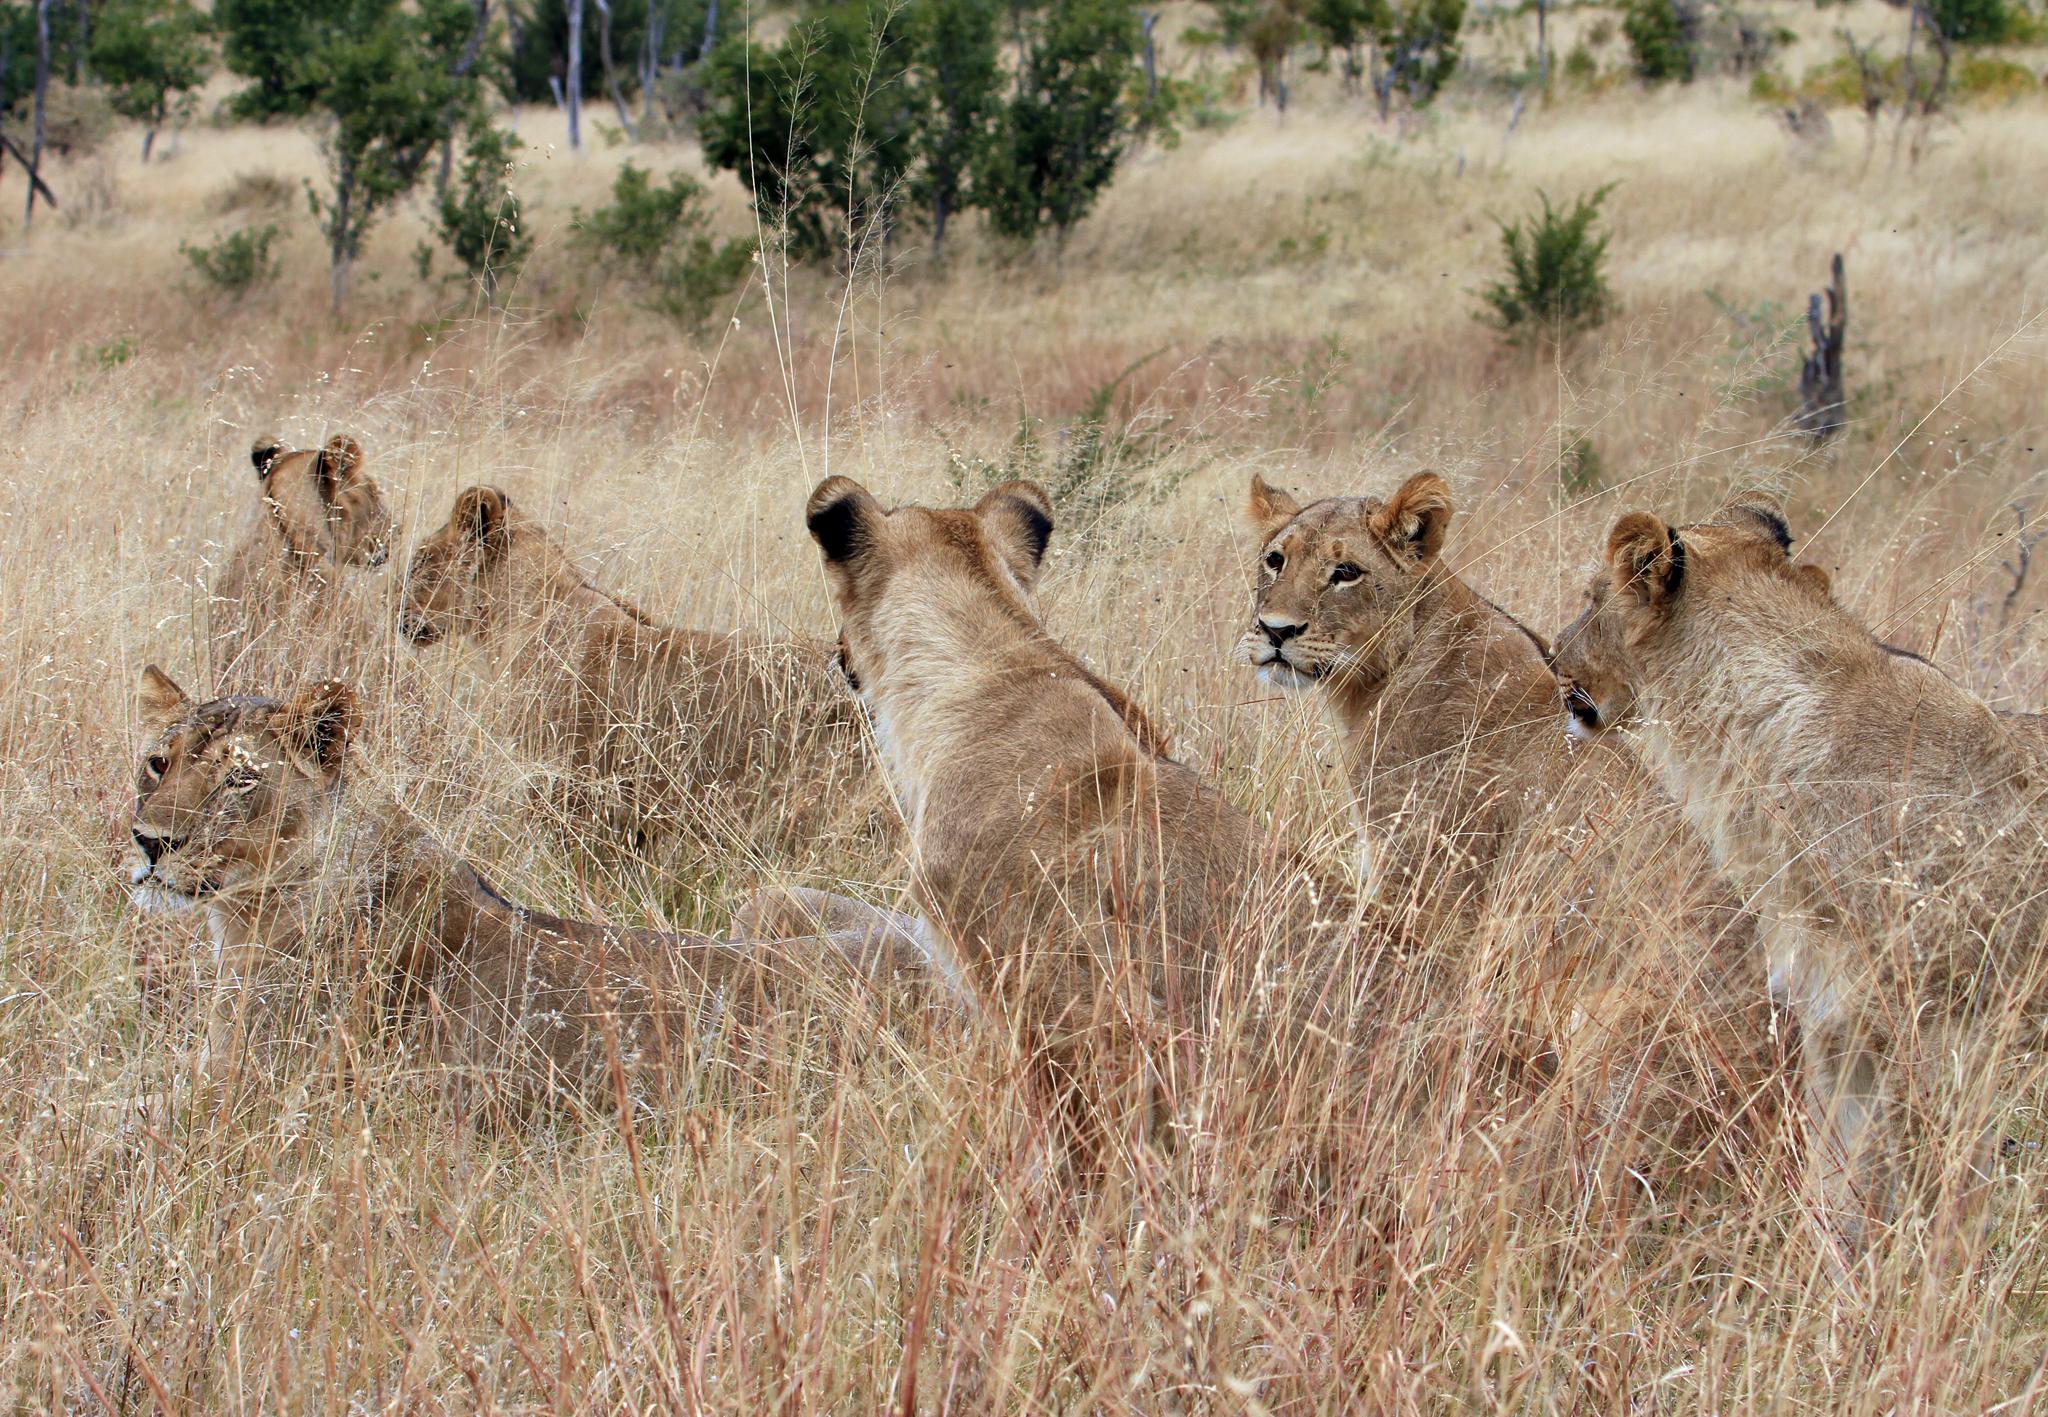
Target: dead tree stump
(1821, 401)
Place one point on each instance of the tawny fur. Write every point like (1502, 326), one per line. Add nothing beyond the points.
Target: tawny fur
(242, 814)
(1475, 807)
(1891, 827)
(730, 740)
(1105, 904)
(282, 602)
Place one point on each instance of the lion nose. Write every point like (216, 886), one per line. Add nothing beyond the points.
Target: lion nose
(1279, 632)
(380, 555)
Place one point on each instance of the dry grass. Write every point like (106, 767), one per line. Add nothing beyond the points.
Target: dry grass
(852, 1211)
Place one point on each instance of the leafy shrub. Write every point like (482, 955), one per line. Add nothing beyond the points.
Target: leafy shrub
(659, 235)
(1971, 21)
(480, 212)
(255, 192)
(1420, 47)
(1579, 466)
(1580, 67)
(238, 262)
(1663, 37)
(1555, 284)
(1982, 76)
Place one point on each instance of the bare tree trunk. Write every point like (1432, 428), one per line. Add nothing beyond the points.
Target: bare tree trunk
(148, 142)
(710, 28)
(340, 248)
(8, 145)
(1542, 42)
(84, 41)
(35, 162)
(572, 84)
(447, 167)
(650, 57)
(1147, 22)
(1821, 399)
(611, 73)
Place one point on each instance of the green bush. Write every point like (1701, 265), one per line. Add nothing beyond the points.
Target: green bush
(1972, 21)
(1420, 48)
(1663, 36)
(238, 262)
(1555, 285)
(1580, 67)
(660, 236)
(1579, 466)
(480, 214)
(1984, 77)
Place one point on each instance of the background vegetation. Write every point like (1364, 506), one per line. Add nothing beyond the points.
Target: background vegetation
(1152, 282)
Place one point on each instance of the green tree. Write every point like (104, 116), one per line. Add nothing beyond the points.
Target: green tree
(1663, 37)
(1068, 121)
(1970, 21)
(388, 80)
(1349, 25)
(1419, 47)
(480, 213)
(151, 54)
(957, 89)
(821, 128)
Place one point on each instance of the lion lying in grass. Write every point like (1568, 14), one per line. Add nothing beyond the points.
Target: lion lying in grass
(737, 742)
(280, 600)
(242, 813)
(1892, 828)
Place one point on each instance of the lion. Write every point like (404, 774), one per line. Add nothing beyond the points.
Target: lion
(737, 742)
(1154, 955)
(1890, 825)
(279, 600)
(243, 814)
(1474, 809)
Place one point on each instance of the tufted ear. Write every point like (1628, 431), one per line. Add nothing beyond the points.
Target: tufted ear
(159, 698)
(315, 726)
(1815, 579)
(1416, 518)
(1647, 558)
(1764, 511)
(844, 518)
(482, 515)
(1268, 508)
(263, 453)
(1018, 517)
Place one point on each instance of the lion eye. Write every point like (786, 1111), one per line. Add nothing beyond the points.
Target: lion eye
(1274, 560)
(156, 764)
(1344, 573)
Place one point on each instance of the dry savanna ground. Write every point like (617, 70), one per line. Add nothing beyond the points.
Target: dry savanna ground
(849, 1210)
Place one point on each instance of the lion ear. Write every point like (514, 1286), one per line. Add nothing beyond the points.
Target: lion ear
(482, 514)
(263, 453)
(1018, 516)
(1647, 558)
(160, 698)
(315, 726)
(341, 463)
(1416, 518)
(1816, 580)
(844, 518)
(1765, 511)
(1268, 508)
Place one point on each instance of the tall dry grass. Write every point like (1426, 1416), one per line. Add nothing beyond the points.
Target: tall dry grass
(855, 1211)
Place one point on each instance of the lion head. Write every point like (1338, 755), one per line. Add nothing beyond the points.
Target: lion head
(323, 504)
(446, 585)
(1339, 580)
(891, 571)
(1640, 602)
(227, 790)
